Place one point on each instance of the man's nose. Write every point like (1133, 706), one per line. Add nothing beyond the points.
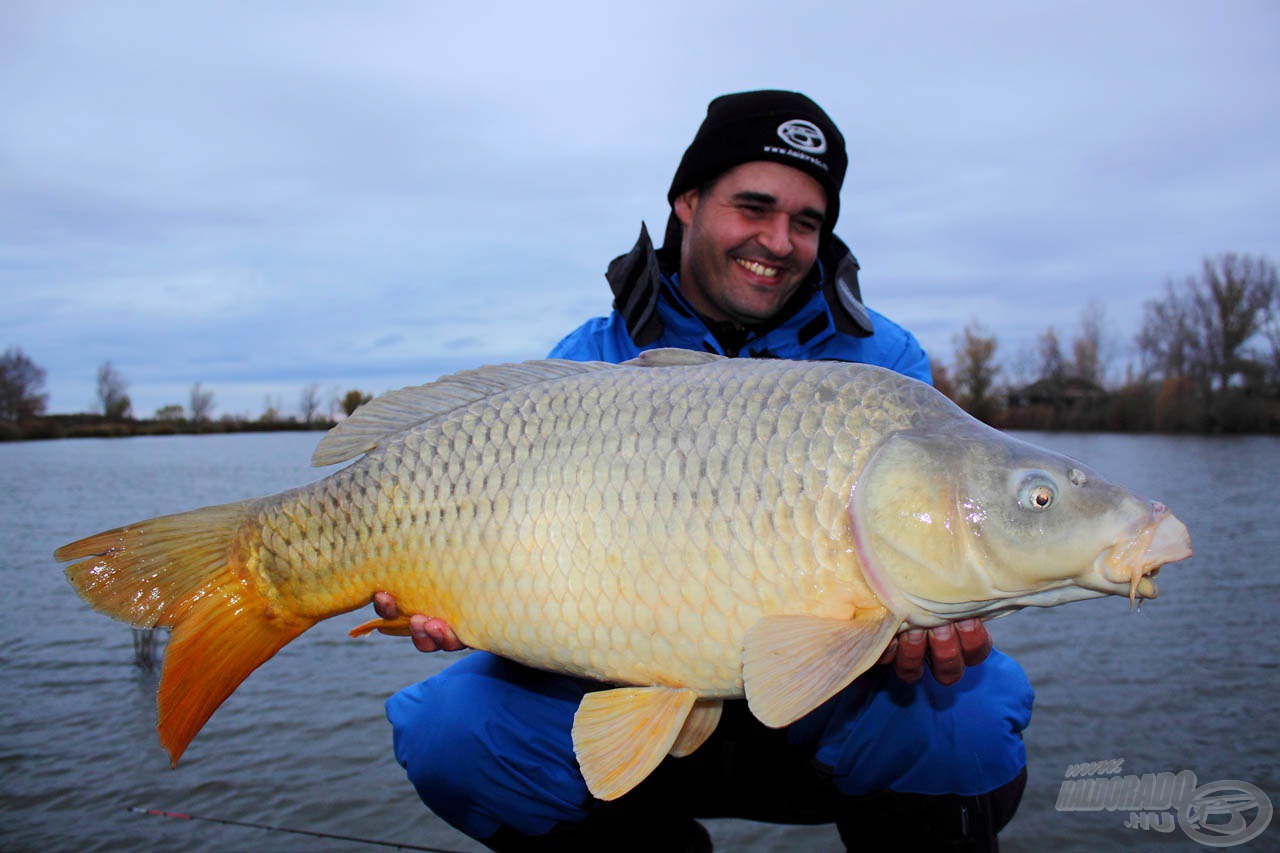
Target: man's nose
(775, 235)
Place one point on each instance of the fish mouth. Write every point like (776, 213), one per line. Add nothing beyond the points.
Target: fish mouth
(1129, 567)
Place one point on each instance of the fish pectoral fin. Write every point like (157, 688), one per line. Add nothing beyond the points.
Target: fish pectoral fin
(792, 664)
(621, 735)
(698, 726)
(398, 627)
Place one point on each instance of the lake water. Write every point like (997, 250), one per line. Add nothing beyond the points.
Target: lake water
(1190, 683)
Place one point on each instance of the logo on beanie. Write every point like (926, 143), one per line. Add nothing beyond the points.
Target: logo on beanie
(803, 135)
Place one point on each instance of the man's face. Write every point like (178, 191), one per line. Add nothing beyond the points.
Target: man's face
(749, 240)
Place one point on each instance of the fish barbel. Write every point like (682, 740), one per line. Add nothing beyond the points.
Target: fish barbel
(687, 527)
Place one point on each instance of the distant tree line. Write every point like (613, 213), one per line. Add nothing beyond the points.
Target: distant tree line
(23, 402)
(1206, 359)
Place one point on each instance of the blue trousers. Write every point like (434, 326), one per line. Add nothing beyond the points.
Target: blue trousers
(486, 744)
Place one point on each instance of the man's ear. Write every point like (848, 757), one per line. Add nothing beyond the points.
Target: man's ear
(685, 205)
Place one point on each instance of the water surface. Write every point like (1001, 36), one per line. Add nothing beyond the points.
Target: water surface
(1191, 682)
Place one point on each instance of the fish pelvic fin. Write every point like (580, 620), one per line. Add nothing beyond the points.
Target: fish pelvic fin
(792, 664)
(698, 726)
(186, 572)
(621, 735)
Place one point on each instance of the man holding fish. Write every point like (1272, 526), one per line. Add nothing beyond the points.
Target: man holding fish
(909, 754)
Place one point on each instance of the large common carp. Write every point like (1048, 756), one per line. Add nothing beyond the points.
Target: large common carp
(690, 527)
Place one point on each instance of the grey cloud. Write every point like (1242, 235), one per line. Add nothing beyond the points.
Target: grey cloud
(374, 196)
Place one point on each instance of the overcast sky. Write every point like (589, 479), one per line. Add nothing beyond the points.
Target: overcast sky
(258, 196)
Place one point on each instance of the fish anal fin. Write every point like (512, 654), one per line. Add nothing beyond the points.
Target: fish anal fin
(398, 627)
(792, 664)
(223, 637)
(698, 726)
(621, 735)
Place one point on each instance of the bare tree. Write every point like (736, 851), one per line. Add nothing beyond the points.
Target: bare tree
(1204, 328)
(1089, 350)
(1022, 369)
(334, 396)
(1049, 359)
(1234, 294)
(21, 382)
(1168, 343)
(201, 403)
(112, 398)
(976, 371)
(1271, 333)
(309, 402)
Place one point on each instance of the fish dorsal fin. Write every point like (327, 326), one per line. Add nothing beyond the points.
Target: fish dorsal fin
(397, 411)
(698, 726)
(672, 357)
(621, 735)
(792, 664)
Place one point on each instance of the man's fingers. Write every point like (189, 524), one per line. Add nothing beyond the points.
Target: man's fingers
(909, 662)
(890, 652)
(432, 635)
(949, 649)
(975, 642)
(423, 641)
(384, 604)
(946, 660)
(444, 636)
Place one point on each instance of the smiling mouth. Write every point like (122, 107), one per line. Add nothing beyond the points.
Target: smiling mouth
(758, 268)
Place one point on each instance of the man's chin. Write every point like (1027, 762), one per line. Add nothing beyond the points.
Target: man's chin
(753, 317)
(761, 309)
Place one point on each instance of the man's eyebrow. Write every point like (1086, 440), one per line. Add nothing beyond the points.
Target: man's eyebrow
(757, 197)
(814, 214)
(753, 196)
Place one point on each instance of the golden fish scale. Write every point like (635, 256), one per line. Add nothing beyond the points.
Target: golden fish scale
(627, 525)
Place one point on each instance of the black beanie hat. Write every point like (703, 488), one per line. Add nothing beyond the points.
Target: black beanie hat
(782, 127)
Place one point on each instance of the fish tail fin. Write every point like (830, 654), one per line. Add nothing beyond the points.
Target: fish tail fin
(186, 572)
(222, 639)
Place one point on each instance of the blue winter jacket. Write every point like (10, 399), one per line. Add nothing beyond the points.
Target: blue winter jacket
(807, 332)
(487, 742)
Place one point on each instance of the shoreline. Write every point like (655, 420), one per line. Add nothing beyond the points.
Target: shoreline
(98, 426)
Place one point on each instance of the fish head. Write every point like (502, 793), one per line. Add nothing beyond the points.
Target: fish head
(961, 520)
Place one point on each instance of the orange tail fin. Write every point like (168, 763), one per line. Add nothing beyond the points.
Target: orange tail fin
(185, 572)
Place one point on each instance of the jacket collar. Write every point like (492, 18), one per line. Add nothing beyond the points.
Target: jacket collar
(636, 281)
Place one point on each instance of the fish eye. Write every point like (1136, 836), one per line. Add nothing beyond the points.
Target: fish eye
(1037, 494)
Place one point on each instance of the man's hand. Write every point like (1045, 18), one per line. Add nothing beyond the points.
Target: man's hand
(428, 634)
(950, 648)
